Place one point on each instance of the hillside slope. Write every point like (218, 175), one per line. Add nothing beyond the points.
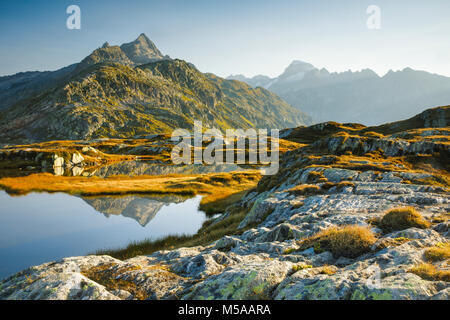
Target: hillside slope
(110, 94)
(438, 117)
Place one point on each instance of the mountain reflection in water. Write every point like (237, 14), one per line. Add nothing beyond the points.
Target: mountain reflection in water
(141, 209)
(42, 227)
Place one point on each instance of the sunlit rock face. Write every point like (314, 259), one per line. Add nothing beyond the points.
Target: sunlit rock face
(142, 50)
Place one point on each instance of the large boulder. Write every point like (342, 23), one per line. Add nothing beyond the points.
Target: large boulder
(242, 282)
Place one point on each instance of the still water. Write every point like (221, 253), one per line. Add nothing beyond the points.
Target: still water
(41, 227)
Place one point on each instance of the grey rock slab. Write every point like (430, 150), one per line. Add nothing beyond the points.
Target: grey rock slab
(253, 280)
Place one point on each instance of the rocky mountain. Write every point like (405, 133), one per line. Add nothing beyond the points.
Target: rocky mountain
(356, 213)
(131, 90)
(26, 84)
(362, 97)
(142, 50)
(138, 52)
(256, 81)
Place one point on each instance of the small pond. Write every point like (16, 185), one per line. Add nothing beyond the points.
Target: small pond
(42, 227)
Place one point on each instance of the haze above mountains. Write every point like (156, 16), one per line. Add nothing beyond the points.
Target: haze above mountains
(131, 90)
(361, 97)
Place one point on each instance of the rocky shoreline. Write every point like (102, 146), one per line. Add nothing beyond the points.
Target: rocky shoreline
(317, 189)
(257, 264)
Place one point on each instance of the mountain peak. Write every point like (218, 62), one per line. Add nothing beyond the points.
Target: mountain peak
(299, 62)
(142, 50)
(106, 54)
(144, 40)
(296, 70)
(143, 36)
(299, 66)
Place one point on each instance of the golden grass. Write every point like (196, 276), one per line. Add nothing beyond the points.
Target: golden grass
(372, 161)
(220, 189)
(437, 165)
(172, 183)
(305, 189)
(402, 218)
(299, 267)
(441, 218)
(316, 176)
(373, 134)
(115, 185)
(218, 202)
(439, 252)
(428, 271)
(328, 270)
(209, 232)
(286, 145)
(437, 181)
(349, 241)
(66, 149)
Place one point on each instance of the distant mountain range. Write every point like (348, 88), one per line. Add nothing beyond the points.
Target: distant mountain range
(129, 90)
(361, 97)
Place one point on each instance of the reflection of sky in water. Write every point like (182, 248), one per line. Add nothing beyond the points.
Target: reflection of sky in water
(38, 228)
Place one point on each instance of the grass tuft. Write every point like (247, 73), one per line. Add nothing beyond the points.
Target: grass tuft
(316, 176)
(402, 218)
(440, 252)
(305, 189)
(429, 272)
(209, 232)
(299, 267)
(349, 241)
(328, 270)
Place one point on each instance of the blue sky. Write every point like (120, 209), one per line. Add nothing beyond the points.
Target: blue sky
(229, 37)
